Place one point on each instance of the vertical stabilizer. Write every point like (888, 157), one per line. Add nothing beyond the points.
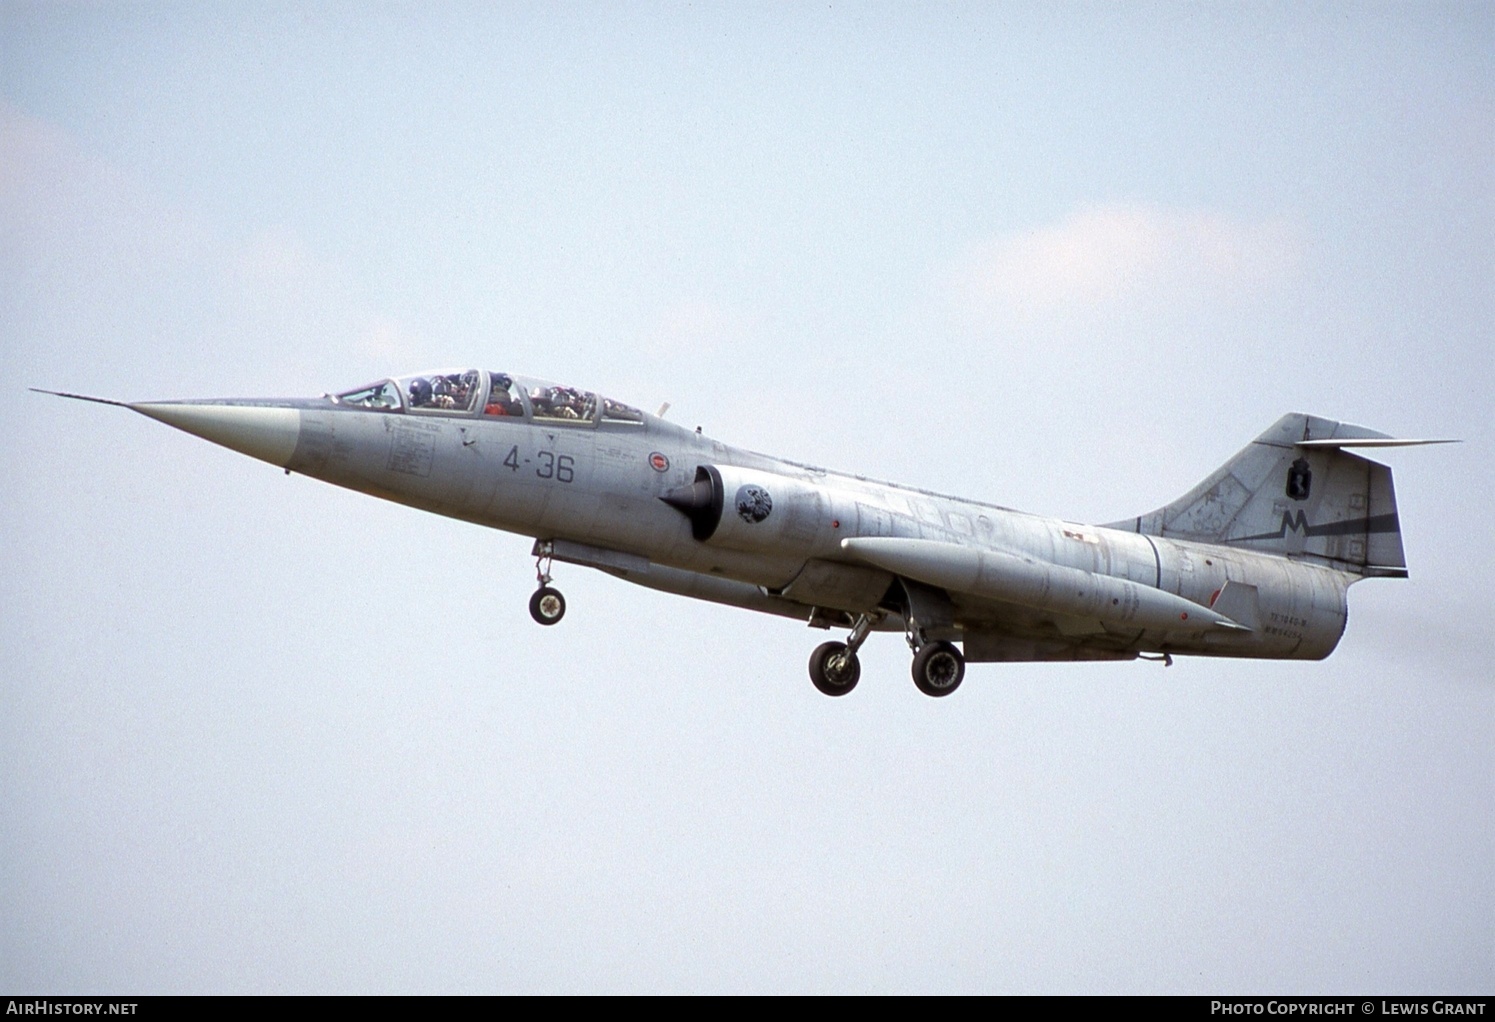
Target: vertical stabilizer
(1296, 492)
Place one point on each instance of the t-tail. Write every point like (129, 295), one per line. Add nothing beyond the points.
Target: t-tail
(1295, 491)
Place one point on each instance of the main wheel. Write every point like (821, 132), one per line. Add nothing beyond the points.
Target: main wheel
(547, 606)
(939, 669)
(834, 669)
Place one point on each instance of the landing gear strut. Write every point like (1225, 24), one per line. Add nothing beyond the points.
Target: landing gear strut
(939, 667)
(834, 667)
(547, 606)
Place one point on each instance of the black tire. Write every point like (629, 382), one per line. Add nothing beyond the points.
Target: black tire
(547, 606)
(939, 669)
(834, 680)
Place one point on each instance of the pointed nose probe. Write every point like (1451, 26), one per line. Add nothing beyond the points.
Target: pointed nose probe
(269, 434)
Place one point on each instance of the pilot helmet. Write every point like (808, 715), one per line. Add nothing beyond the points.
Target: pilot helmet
(502, 381)
(420, 391)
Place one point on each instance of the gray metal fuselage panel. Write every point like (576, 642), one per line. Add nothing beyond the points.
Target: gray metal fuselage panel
(599, 486)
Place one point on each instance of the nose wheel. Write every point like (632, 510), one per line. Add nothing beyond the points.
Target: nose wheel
(547, 606)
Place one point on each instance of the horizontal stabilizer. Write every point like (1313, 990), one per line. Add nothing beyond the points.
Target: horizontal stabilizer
(1009, 578)
(1371, 442)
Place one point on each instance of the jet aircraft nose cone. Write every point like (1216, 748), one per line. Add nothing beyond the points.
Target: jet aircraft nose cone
(267, 433)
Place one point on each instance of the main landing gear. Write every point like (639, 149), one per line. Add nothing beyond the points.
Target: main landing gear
(938, 667)
(547, 606)
(834, 667)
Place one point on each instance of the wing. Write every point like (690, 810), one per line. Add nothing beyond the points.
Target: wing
(1074, 596)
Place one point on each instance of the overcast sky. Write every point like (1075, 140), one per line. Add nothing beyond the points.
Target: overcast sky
(260, 734)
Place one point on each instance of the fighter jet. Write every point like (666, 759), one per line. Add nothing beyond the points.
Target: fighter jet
(1255, 561)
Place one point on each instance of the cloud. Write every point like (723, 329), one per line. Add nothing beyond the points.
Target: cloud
(284, 282)
(1110, 260)
(160, 296)
(58, 198)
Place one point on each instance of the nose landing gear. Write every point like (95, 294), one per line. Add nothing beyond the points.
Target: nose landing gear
(547, 606)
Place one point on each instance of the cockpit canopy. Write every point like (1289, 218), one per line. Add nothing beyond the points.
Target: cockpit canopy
(480, 393)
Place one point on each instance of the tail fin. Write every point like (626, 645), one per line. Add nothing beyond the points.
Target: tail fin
(1294, 491)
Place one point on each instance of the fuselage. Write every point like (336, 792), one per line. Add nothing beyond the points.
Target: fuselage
(1254, 561)
(592, 487)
